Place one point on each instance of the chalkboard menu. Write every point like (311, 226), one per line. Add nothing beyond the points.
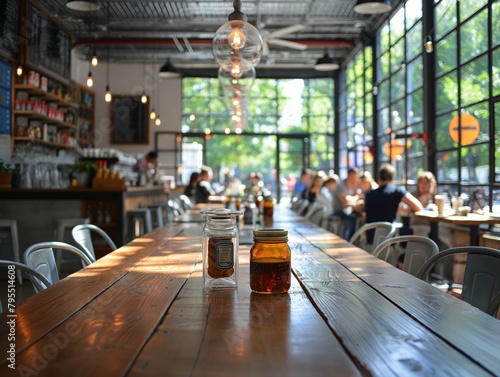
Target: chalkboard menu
(9, 33)
(48, 44)
(130, 118)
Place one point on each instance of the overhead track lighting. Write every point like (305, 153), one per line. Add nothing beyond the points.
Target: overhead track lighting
(83, 5)
(168, 71)
(372, 6)
(326, 63)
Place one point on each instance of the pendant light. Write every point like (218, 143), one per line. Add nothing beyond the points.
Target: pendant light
(94, 60)
(107, 96)
(83, 5)
(237, 45)
(90, 80)
(372, 6)
(326, 63)
(168, 71)
(144, 97)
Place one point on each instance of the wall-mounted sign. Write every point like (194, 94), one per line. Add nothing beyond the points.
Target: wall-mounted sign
(469, 128)
(130, 120)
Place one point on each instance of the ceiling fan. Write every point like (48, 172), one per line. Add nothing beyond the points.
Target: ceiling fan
(274, 38)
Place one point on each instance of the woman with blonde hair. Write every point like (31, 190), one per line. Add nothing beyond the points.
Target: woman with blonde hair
(366, 182)
(425, 192)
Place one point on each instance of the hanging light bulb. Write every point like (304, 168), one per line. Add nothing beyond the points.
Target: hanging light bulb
(227, 131)
(158, 120)
(95, 60)
(238, 38)
(144, 97)
(107, 95)
(90, 80)
(152, 114)
(236, 70)
(428, 44)
(19, 70)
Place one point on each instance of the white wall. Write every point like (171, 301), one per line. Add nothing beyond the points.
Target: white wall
(130, 79)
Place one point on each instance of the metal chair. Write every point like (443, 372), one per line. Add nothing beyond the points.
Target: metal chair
(40, 257)
(417, 251)
(303, 207)
(39, 281)
(186, 202)
(383, 231)
(481, 281)
(82, 234)
(62, 234)
(139, 222)
(156, 215)
(11, 225)
(317, 215)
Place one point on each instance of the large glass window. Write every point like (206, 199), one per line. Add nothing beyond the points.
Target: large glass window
(356, 123)
(272, 109)
(400, 94)
(464, 76)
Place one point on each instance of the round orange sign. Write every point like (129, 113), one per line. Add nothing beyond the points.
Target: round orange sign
(396, 147)
(469, 128)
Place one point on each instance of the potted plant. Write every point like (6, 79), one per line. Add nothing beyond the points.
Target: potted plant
(6, 170)
(83, 170)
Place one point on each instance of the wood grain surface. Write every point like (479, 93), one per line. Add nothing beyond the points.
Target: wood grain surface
(142, 310)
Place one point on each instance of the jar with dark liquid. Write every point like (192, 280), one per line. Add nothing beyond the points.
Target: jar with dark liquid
(270, 261)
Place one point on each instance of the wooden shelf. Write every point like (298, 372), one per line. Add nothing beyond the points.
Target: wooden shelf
(34, 115)
(47, 96)
(47, 143)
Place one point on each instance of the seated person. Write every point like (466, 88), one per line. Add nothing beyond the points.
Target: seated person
(190, 189)
(344, 202)
(204, 188)
(382, 203)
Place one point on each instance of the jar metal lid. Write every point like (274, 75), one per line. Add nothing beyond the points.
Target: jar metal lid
(221, 213)
(271, 234)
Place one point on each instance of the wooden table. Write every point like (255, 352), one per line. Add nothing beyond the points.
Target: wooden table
(142, 311)
(472, 220)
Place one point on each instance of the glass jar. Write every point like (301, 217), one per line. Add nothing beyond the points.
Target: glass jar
(268, 206)
(220, 248)
(270, 261)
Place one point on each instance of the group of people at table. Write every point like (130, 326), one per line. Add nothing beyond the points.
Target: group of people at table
(357, 196)
(360, 196)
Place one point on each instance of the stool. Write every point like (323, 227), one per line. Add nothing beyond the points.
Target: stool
(138, 222)
(63, 234)
(156, 214)
(12, 226)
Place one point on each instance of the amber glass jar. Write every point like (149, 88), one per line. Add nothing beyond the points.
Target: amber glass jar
(270, 261)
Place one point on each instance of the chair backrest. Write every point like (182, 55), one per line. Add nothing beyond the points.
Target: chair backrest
(82, 234)
(318, 215)
(40, 257)
(39, 281)
(303, 207)
(176, 208)
(383, 230)
(481, 281)
(310, 210)
(418, 250)
(186, 202)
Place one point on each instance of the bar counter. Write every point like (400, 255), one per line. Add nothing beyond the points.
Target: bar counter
(142, 311)
(37, 210)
